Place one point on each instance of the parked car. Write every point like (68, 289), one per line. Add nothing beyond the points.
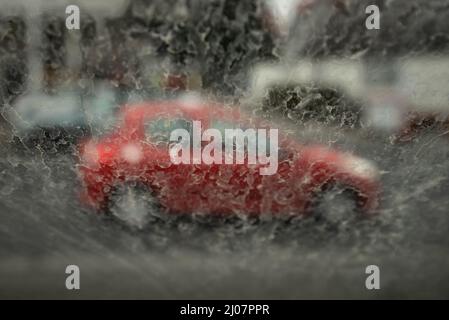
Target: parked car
(61, 119)
(328, 92)
(401, 83)
(399, 98)
(129, 173)
(422, 85)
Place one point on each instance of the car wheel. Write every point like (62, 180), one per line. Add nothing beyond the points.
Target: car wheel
(336, 204)
(133, 203)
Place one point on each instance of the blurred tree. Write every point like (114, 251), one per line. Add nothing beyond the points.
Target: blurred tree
(12, 57)
(406, 27)
(220, 39)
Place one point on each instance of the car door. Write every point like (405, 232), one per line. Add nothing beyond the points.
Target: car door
(248, 188)
(177, 185)
(233, 185)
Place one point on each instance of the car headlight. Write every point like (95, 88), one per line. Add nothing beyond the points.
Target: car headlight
(361, 167)
(90, 154)
(132, 153)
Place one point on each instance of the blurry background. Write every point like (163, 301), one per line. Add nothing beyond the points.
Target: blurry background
(381, 93)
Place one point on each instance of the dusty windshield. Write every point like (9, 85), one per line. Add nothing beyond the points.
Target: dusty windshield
(341, 186)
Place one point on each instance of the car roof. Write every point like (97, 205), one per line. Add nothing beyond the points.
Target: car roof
(191, 107)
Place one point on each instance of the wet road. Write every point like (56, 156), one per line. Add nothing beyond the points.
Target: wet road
(43, 229)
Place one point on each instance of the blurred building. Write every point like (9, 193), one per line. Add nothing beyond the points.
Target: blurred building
(398, 72)
(36, 30)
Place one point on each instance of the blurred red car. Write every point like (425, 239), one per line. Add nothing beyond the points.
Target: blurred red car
(129, 172)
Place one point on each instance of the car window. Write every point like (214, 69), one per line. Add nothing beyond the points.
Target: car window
(222, 125)
(158, 130)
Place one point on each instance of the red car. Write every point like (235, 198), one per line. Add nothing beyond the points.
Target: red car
(130, 173)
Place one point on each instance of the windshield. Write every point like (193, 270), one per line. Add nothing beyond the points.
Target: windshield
(207, 149)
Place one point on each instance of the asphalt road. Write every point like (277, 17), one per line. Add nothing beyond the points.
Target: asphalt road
(43, 228)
